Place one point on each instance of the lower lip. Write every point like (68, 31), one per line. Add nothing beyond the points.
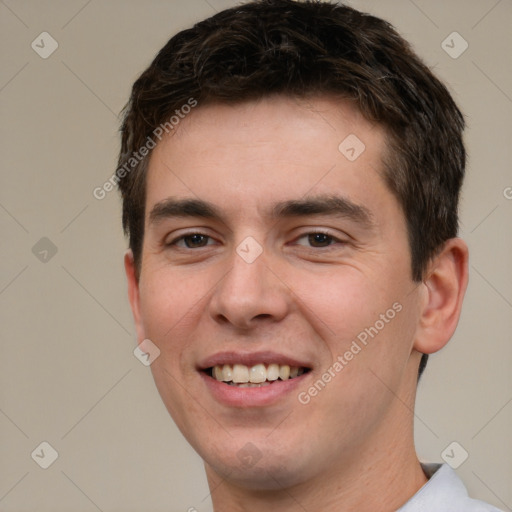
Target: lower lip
(235, 396)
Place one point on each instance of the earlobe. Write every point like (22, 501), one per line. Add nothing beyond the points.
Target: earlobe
(445, 285)
(133, 293)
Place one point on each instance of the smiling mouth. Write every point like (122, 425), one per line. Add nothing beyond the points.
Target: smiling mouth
(258, 375)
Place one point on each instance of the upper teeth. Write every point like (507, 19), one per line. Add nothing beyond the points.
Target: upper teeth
(239, 373)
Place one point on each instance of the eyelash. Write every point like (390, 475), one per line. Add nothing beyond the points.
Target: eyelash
(180, 238)
(332, 238)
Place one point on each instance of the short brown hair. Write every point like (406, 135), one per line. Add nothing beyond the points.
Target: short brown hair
(271, 47)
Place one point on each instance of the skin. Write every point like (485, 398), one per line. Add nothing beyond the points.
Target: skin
(351, 447)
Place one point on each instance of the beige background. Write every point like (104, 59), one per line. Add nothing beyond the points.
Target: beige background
(67, 372)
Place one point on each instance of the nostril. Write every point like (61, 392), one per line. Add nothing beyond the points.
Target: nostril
(262, 316)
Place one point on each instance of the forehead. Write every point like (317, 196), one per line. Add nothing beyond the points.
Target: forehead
(245, 155)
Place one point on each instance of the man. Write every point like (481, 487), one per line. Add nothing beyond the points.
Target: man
(290, 175)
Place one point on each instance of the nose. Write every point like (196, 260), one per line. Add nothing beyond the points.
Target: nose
(249, 295)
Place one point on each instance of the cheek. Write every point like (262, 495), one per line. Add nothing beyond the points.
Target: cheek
(169, 300)
(344, 301)
(169, 303)
(368, 321)
(367, 357)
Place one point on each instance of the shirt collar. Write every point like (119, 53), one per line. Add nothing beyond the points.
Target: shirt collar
(443, 490)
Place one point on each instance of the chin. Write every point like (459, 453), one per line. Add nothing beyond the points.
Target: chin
(260, 471)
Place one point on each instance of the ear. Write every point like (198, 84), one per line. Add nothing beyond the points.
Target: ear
(133, 293)
(445, 285)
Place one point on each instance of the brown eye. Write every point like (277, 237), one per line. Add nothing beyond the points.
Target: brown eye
(195, 240)
(319, 240)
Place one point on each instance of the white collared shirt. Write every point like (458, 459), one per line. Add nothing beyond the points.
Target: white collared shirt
(444, 492)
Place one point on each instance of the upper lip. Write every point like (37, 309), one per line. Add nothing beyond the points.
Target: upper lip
(251, 359)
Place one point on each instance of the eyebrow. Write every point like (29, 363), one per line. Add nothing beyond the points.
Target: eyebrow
(325, 205)
(172, 207)
(311, 206)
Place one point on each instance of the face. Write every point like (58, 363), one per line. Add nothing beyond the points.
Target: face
(276, 283)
